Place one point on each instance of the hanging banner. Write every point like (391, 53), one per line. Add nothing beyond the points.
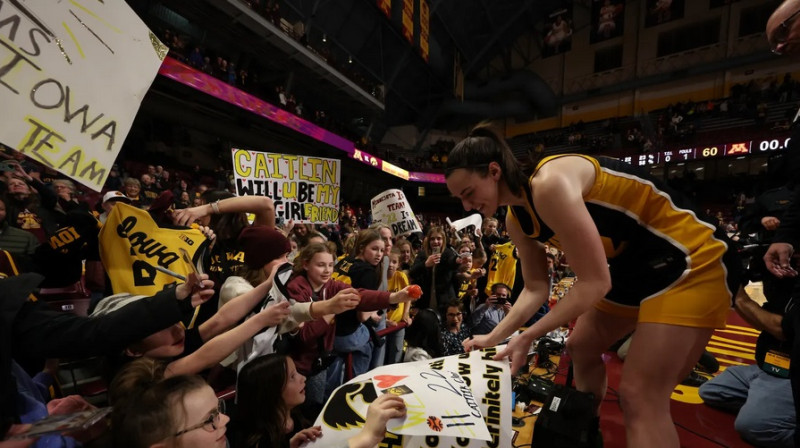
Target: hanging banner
(558, 32)
(608, 20)
(304, 189)
(392, 208)
(663, 11)
(408, 20)
(461, 400)
(72, 76)
(386, 7)
(424, 29)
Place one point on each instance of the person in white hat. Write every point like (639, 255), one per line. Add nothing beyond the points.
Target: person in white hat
(110, 199)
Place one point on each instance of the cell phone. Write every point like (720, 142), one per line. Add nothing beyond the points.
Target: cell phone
(60, 424)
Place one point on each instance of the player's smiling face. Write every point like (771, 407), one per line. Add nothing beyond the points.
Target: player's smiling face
(476, 191)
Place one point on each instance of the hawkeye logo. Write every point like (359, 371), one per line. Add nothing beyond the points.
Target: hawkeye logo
(340, 413)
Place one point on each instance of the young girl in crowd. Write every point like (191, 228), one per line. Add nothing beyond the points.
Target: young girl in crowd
(312, 282)
(433, 270)
(361, 269)
(423, 337)
(397, 313)
(270, 389)
(151, 411)
(406, 254)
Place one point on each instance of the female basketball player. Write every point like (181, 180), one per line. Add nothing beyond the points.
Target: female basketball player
(644, 260)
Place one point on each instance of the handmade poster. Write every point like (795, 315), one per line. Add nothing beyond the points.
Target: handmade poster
(392, 208)
(72, 77)
(471, 220)
(305, 189)
(436, 403)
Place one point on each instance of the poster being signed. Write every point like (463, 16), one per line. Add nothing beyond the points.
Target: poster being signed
(461, 400)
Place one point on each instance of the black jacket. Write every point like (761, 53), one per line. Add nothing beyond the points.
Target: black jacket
(31, 329)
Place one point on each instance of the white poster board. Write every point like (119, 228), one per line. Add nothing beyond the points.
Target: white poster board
(72, 76)
(436, 403)
(392, 208)
(305, 189)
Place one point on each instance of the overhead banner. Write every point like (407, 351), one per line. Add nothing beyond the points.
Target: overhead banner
(392, 208)
(72, 76)
(386, 7)
(408, 20)
(558, 32)
(461, 400)
(424, 28)
(132, 245)
(663, 11)
(305, 189)
(608, 20)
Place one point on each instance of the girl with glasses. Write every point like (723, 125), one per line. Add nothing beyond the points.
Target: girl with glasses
(150, 412)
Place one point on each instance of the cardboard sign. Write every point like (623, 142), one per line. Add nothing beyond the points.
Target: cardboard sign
(443, 397)
(304, 189)
(72, 76)
(391, 207)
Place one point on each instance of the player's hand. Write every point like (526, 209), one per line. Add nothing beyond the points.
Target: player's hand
(778, 258)
(517, 350)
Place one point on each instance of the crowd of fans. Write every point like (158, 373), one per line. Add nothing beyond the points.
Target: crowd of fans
(468, 284)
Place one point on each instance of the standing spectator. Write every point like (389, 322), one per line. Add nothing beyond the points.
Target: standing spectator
(110, 199)
(398, 280)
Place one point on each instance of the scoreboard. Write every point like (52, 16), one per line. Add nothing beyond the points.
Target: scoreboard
(706, 152)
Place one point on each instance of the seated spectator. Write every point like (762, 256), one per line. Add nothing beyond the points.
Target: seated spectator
(489, 313)
(269, 391)
(423, 337)
(149, 189)
(110, 199)
(454, 330)
(153, 411)
(132, 189)
(17, 242)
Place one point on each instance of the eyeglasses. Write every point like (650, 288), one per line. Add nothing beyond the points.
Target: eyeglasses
(782, 33)
(454, 314)
(211, 424)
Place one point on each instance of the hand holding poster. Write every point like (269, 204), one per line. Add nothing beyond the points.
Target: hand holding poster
(444, 399)
(391, 208)
(304, 189)
(475, 220)
(72, 76)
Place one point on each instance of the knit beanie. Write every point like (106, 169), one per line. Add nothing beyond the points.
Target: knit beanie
(262, 244)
